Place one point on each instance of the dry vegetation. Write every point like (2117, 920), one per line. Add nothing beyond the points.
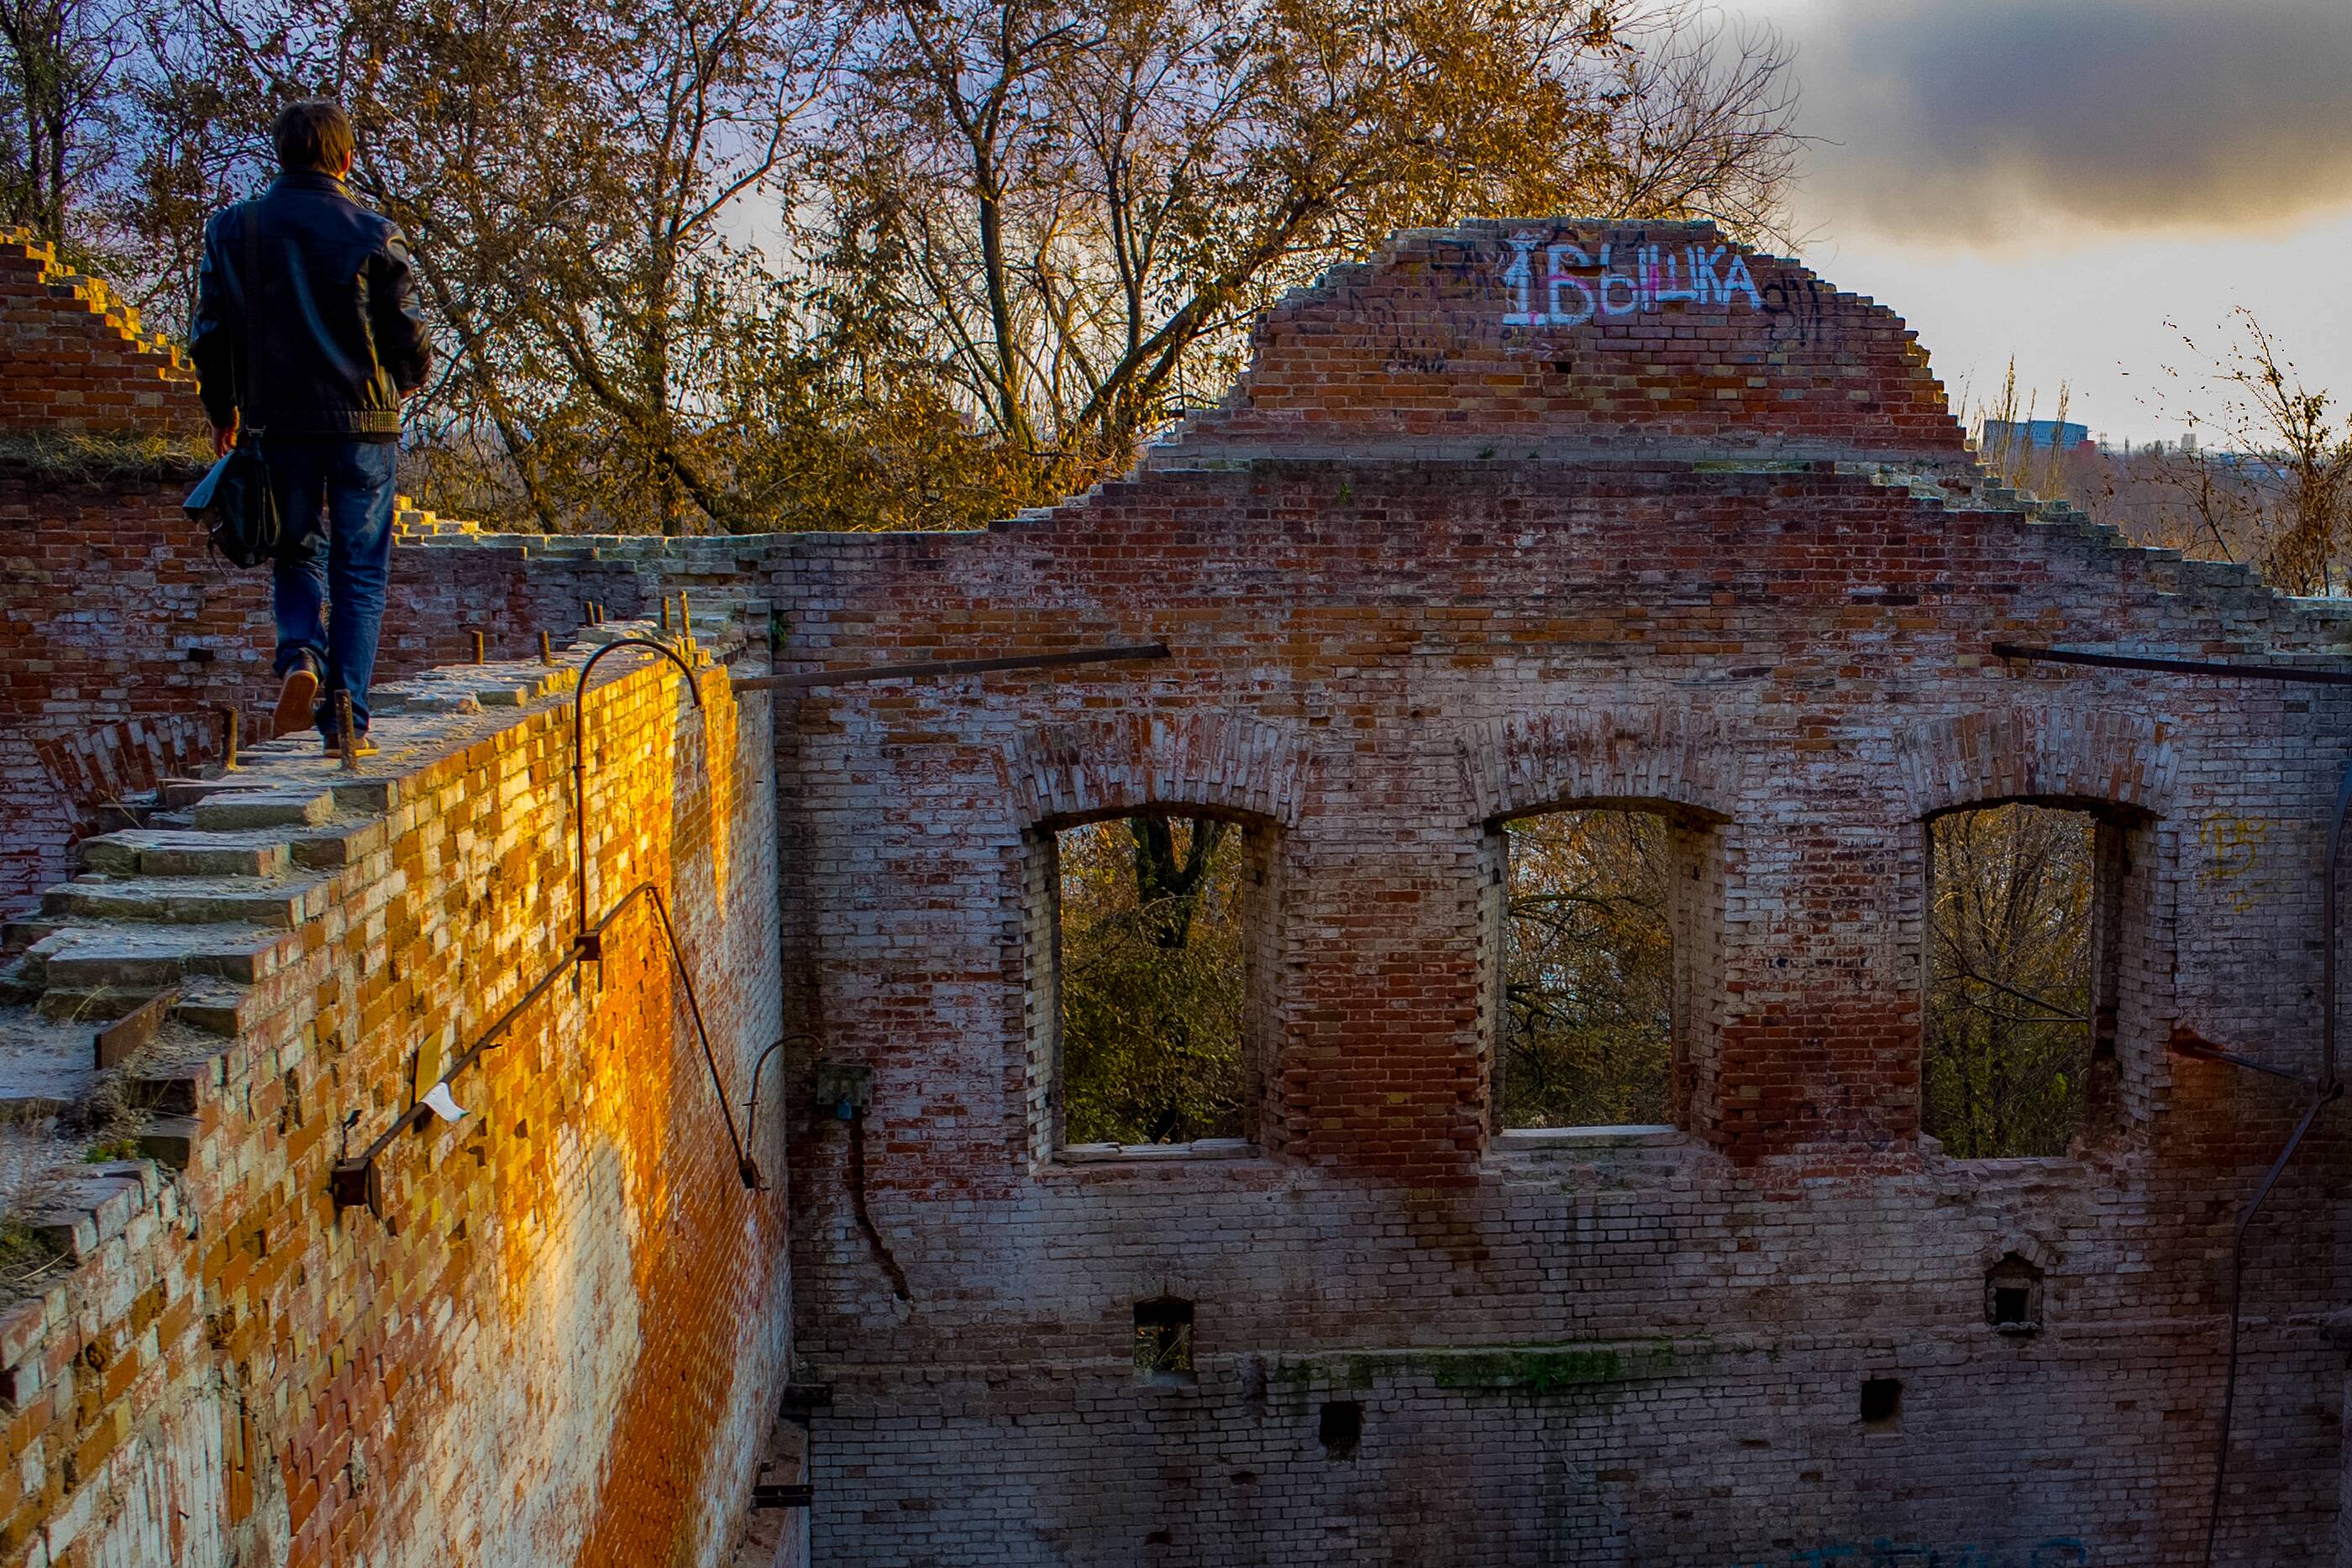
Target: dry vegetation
(2265, 478)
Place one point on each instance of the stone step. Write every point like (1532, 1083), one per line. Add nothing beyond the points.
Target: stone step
(469, 689)
(46, 1066)
(282, 805)
(213, 1007)
(18, 934)
(173, 1088)
(179, 794)
(99, 972)
(190, 900)
(81, 1212)
(170, 1140)
(177, 853)
(335, 845)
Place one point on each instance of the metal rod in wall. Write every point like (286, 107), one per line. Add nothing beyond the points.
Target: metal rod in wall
(590, 945)
(2226, 669)
(744, 1166)
(580, 754)
(2323, 1093)
(949, 667)
(355, 1182)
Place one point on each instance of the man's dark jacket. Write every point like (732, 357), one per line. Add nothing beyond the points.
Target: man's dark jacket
(336, 333)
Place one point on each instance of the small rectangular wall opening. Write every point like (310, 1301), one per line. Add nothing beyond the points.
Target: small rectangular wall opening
(1157, 926)
(1339, 1428)
(1586, 1010)
(1882, 1403)
(1163, 1342)
(2009, 1013)
(2013, 1296)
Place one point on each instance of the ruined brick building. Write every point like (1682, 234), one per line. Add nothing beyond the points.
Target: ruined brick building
(1515, 518)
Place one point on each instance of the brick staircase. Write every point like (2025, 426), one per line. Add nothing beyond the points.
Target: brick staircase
(188, 919)
(74, 357)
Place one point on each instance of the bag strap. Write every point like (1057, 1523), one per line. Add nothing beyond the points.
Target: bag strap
(252, 283)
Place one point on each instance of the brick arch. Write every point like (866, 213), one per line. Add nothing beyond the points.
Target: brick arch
(2019, 1243)
(1222, 762)
(2037, 750)
(1528, 761)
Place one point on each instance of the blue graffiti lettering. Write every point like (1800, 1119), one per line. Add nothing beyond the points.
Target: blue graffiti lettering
(1573, 287)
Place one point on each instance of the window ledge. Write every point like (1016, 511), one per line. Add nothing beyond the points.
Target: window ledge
(1994, 1164)
(1637, 1134)
(1155, 1153)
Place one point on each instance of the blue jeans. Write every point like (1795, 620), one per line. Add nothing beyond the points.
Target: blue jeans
(334, 500)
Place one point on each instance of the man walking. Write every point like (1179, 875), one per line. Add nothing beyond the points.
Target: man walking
(307, 339)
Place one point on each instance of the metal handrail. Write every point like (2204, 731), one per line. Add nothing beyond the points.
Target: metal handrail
(355, 1182)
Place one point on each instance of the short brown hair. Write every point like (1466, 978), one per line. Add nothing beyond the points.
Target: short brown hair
(313, 133)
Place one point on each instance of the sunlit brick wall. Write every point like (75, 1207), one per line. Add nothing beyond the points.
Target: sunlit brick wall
(563, 1340)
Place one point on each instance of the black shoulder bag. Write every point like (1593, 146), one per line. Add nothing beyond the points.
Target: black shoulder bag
(234, 501)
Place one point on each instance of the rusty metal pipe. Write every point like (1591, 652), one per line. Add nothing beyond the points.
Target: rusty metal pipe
(2164, 666)
(949, 667)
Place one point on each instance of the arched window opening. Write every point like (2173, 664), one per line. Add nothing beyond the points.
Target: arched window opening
(1586, 1004)
(2013, 1013)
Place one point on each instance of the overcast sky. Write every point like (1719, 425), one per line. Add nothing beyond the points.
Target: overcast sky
(2058, 179)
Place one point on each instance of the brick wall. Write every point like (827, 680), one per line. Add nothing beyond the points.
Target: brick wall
(1519, 516)
(1429, 567)
(1585, 339)
(562, 1342)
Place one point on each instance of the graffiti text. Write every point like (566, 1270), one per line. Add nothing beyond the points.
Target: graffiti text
(1562, 284)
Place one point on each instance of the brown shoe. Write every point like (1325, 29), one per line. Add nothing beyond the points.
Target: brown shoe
(296, 696)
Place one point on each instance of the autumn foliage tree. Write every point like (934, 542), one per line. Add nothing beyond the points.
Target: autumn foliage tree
(730, 265)
(1074, 209)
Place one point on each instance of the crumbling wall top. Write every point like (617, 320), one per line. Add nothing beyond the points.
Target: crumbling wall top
(1573, 338)
(73, 358)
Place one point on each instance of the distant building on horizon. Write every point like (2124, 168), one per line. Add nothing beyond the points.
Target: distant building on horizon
(2033, 435)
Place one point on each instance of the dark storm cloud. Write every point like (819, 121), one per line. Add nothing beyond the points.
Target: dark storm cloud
(1994, 116)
